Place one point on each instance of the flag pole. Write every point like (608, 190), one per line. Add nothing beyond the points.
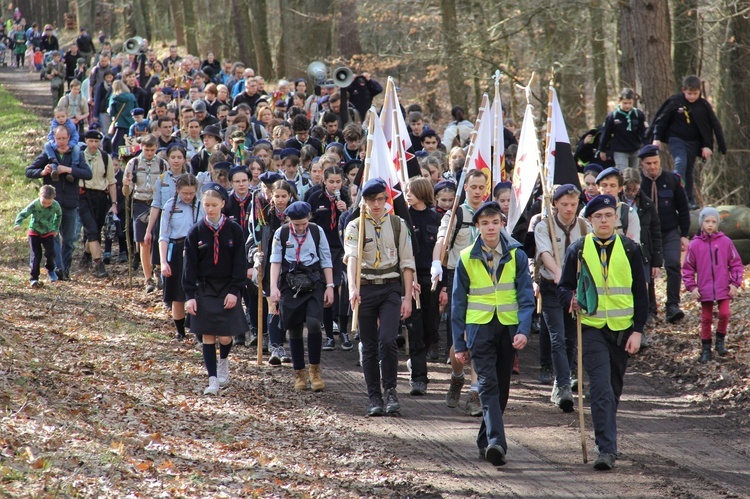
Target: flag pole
(547, 195)
(452, 220)
(261, 318)
(581, 418)
(498, 130)
(362, 207)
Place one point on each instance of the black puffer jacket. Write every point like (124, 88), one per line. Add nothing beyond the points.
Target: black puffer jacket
(651, 246)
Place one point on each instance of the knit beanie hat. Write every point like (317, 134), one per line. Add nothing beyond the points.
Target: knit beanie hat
(708, 211)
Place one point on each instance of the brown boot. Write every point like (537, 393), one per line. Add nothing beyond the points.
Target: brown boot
(316, 382)
(300, 380)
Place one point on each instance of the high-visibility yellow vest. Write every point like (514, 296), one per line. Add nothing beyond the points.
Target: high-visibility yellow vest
(487, 299)
(615, 309)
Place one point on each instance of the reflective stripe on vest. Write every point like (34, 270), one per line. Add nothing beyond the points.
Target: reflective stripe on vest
(487, 299)
(615, 309)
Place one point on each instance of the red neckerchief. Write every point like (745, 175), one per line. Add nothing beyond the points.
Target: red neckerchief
(332, 199)
(216, 233)
(300, 241)
(243, 209)
(279, 214)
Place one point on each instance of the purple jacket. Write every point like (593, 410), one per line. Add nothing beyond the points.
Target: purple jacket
(711, 265)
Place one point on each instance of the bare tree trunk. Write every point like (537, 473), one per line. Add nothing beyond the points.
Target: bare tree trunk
(262, 44)
(348, 39)
(179, 21)
(305, 35)
(190, 27)
(452, 53)
(627, 57)
(649, 30)
(240, 19)
(686, 38)
(142, 26)
(86, 14)
(598, 60)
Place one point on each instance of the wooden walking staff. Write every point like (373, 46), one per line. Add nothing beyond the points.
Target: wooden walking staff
(129, 234)
(261, 319)
(497, 134)
(456, 200)
(361, 238)
(401, 156)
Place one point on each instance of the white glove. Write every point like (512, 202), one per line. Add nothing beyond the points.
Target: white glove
(258, 259)
(436, 272)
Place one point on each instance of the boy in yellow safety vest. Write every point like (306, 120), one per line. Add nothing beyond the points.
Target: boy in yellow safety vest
(492, 303)
(612, 328)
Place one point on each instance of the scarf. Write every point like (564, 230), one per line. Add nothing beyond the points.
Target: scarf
(489, 261)
(378, 226)
(242, 203)
(333, 200)
(628, 116)
(603, 256)
(654, 188)
(215, 228)
(566, 230)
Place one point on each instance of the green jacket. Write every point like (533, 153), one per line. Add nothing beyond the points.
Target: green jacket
(43, 220)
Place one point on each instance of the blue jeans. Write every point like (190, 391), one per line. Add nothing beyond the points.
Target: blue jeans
(626, 159)
(605, 360)
(492, 356)
(684, 153)
(559, 331)
(65, 243)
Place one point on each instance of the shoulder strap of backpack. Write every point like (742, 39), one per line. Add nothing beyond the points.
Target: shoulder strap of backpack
(624, 213)
(459, 219)
(396, 226)
(283, 239)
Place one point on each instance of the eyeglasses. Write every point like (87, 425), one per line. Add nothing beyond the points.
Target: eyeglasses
(379, 199)
(603, 216)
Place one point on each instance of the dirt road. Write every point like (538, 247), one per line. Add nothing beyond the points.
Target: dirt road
(672, 444)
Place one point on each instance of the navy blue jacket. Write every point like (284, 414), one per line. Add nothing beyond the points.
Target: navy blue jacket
(67, 185)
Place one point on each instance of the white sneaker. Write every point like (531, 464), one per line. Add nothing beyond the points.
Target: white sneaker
(213, 386)
(223, 372)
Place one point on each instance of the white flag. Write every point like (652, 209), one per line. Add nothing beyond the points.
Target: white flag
(528, 163)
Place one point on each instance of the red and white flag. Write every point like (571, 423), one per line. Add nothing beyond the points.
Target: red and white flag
(481, 156)
(382, 165)
(526, 172)
(392, 120)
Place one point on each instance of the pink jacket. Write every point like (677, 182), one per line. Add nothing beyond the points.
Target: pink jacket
(711, 265)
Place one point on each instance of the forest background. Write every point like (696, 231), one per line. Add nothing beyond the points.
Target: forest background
(443, 52)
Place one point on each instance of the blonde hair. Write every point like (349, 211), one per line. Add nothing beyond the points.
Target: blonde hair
(119, 87)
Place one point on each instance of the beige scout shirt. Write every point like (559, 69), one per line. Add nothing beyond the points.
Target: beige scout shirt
(389, 256)
(544, 244)
(465, 237)
(103, 176)
(147, 173)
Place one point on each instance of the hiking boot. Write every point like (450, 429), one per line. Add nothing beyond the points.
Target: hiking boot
(35, 284)
(674, 314)
(316, 381)
(705, 352)
(300, 380)
(329, 344)
(276, 352)
(159, 281)
(52, 275)
(213, 386)
(495, 455)
(433, 353)
(222, 372)
(99, 270)
(605, 462)
(150, 285)
(473, 406)
(720, 348)
(392, 405)
(564, 398)
(107, 258)
(239, 340)
(136, 261)
(545, 376)
(64, 275)
(573, 380)
(346, 343)
(85, 262)
(253, 338)
(122, 257)
(454, 390)
(516, 368)
(418, 388)
(375, 406)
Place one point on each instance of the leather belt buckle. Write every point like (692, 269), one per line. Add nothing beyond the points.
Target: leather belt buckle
(377, 281)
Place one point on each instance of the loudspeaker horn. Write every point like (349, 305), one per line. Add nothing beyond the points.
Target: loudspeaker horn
(135, 45)
(343, 76)
(317, 71)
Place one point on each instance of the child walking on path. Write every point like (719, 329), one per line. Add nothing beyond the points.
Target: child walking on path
(712, 271)
(46, 216)
(214, 273)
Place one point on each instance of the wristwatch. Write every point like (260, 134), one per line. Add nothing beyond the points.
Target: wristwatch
(330, 285)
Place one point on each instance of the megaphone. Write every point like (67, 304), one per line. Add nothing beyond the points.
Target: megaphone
(317, 71)
(343, 76)
(135, 45)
